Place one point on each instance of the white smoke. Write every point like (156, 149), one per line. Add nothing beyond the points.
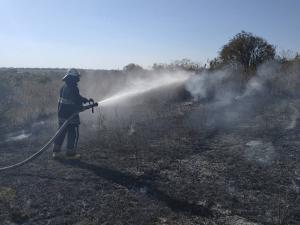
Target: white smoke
(200, 85)
(294, 117)
(17, 136)
(266, 72)
(260, 152)
(227, 99)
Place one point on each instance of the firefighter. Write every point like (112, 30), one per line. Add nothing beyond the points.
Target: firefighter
(69, 102)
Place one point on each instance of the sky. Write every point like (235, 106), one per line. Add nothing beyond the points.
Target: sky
(109, 34)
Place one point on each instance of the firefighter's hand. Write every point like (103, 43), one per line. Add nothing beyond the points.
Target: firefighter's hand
(91, 100)
(80, 108)
(84, 100)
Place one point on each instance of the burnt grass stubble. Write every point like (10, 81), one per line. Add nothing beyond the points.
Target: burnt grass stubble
(165, 164)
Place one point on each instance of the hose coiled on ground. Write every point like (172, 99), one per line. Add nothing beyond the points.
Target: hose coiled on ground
(47, 145)
(44, 148)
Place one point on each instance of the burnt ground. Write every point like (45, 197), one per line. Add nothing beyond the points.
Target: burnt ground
(172, 165)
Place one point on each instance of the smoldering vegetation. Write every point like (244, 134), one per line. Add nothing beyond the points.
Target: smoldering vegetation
(220, 146)
(230, 99)
(223, 140)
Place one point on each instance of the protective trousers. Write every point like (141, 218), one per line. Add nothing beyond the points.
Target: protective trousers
(72, 132)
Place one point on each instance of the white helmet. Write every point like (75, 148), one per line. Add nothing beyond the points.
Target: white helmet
(71, 73)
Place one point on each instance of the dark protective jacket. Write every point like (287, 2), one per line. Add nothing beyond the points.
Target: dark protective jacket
(69, 102)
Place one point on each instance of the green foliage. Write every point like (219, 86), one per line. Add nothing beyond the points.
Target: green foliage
(247, 50)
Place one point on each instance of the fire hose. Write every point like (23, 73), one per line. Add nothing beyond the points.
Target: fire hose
(47, 145)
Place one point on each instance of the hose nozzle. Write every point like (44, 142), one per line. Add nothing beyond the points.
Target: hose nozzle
(90, 106)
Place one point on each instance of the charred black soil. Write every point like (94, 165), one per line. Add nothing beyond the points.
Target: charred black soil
(168, 165)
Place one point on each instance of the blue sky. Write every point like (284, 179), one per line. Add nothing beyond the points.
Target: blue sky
(108, 34)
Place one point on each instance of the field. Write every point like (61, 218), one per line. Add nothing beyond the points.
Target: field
(163, 157)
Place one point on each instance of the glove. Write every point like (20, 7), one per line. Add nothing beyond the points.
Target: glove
(91, 100)
(84, 100)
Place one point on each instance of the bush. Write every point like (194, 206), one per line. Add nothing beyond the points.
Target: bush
(247, 50)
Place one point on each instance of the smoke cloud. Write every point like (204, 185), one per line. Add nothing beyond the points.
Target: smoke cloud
(200, 85)
(259, 104)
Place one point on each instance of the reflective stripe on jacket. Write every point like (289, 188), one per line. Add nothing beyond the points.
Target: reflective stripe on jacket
(62, 100)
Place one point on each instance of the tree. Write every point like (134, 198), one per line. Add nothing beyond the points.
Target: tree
(247, 50)
(215, 64)
(133, 68)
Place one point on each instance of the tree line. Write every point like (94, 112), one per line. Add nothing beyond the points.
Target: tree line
(244, 52)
